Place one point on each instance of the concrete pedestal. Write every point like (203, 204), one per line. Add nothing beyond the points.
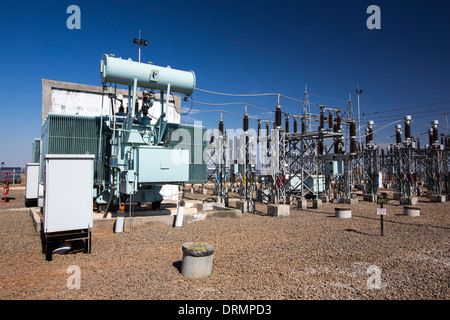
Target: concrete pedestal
(280, 210)
(438, 198)
(408, 201)
(349, 200)
(343, 213)
(317, 203)
(370, 197)
(411, 211)
(197, 259)
(302, 203)
(242, 205)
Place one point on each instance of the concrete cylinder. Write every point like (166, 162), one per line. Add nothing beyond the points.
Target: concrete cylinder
(343, 213)
(411, 211)
(120, 221)
(180, 214)
(197, 259)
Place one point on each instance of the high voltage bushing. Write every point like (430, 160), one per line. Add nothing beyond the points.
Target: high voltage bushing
(330, 120)
(245, 124)
(278, 116)
(287, 123)
(398, 134)
(320, 148)
(322, 121)
(259, 129)
(430, 136)
(407, 120)
(221, 127)
(353, 148)
(434, 126)
(338, 123)
(370, 130)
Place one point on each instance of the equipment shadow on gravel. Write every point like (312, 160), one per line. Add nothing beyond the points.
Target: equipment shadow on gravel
(177, 265)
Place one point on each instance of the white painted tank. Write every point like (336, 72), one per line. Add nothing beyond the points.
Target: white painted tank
(121, 71)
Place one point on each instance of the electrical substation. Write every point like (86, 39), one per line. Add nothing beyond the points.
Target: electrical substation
(129, 146)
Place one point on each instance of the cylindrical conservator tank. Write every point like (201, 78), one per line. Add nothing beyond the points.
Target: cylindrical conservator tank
(120, 71)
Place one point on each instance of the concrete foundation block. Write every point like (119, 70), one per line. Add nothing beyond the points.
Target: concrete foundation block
(408, 201)
(317, 203)
(411, 211)
(438, 198)
(242, 205)
(349, 200)
(197, 259)
(302, 203)
(281, 210)
(370, 197)
(343, 213)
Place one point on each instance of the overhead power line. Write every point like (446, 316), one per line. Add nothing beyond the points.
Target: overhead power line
(408, 108)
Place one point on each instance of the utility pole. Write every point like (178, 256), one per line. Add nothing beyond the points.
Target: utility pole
(359, 91)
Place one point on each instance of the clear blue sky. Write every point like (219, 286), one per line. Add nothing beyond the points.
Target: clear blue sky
(234, 47)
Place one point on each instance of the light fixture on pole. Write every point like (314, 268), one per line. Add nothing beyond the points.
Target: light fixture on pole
(140, 42)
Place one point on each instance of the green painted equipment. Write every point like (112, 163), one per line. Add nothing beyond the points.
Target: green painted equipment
(134, 158)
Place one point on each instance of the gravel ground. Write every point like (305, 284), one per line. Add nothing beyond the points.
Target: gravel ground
(307, 255)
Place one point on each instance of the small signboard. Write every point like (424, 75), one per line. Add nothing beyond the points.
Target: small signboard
(381, 211)
(382, 199)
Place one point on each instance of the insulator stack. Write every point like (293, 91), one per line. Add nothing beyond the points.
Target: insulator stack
(303, 125)
(430, 136)
(245, 124)
(320, 148)
(322, 121)
(338, 123)
(407, 127)
(330, 120)
(278, 116)
(398, 134)
(370, 131)
(259, 129)
(295, 125)
(221, 127)
(434, 125)
(287, 123)
(267, 135)
(353, 137)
